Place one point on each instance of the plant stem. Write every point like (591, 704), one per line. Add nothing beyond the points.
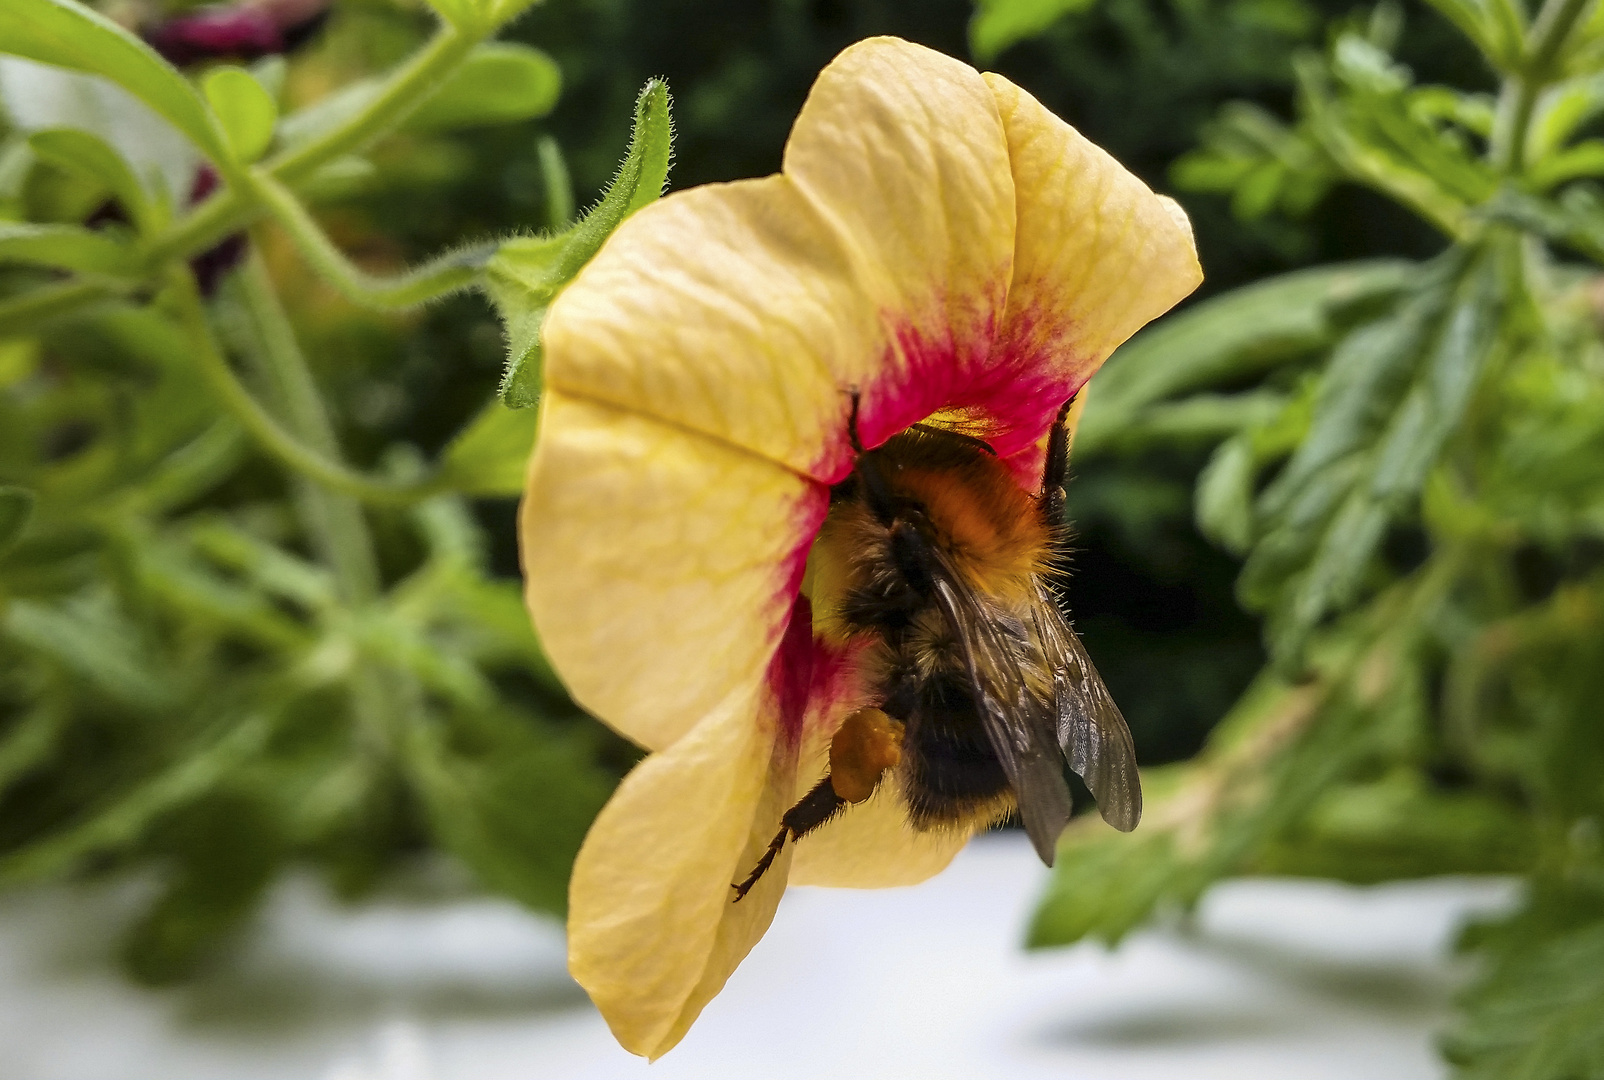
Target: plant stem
(264, 428)
(403, 92)
(447, 274)
(333, 519)
(406, 88)
(22, 313)
(1517, 99)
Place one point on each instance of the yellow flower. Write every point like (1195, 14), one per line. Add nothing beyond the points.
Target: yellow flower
(936, 240)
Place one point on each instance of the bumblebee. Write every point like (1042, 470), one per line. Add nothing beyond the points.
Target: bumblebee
(952, 578)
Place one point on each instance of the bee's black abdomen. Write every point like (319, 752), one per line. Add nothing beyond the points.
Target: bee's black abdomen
(949, 767)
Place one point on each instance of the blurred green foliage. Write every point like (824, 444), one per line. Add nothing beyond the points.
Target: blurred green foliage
(223, 647)
(1404, 455)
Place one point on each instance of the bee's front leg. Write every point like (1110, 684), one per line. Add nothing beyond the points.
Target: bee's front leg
(867, 744)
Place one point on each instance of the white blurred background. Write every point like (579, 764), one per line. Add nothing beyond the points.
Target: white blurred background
(1280, 980)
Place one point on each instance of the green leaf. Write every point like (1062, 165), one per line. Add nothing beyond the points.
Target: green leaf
(558, 184)
(119, 820)
(92, 158)
(489, 457)
(1584, 159)
(465, 14)
(1227, 339)
(1392, 396)
(16, 506)
(512, 800)
(1104, 885)
(65, 247)
(1362, 382)
(1535, 1013)
(244, 108)
(997, 24)
(500, 83)
(1561, 111)
(1478, 24)
(221, 852)
(94, 644)
(526, 273)
(1403, 826)
(71, 35)
(1224, 505)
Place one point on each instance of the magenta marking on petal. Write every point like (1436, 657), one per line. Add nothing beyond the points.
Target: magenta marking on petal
(805, 675)
(791, 670)
(1012, 388)
(808, 678)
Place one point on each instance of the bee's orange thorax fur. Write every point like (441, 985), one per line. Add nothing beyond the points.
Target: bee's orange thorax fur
(992, 529)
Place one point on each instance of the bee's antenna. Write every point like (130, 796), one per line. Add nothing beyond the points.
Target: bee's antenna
(1055, 469)
(852, 421)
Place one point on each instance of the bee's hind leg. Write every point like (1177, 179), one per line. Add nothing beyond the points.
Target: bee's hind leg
(867, 744)
(816, 807)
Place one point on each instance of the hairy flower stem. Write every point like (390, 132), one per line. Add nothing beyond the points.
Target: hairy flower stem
(450, 273)
(1517, 100)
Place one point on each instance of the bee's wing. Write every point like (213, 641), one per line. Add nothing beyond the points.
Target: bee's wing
(1091, 730)
(1019, 724)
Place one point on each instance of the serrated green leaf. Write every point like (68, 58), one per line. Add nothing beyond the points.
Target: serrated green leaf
(1391, 397)
(1363, 379)
(65, 247)
(71, 35)
(1535, 1013)
(16, 507)
(527, 273)
(997, 24)
(1335, 572)
(90, 157)
(1437, 402)
(1228, 338)
(500, 83)
(490, 456)
(245, 109)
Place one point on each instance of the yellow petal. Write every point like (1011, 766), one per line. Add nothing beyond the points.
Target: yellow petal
(900, 149)
(659, 566)
(652, 930)
(872, 846)
(1097, 255)
(879, 259)
(727, 310)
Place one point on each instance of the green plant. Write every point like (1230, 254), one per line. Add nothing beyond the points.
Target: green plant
(223, 646)
(1405, 457)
